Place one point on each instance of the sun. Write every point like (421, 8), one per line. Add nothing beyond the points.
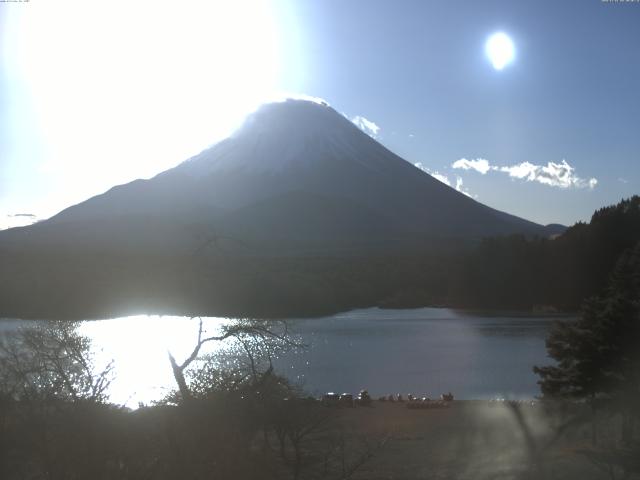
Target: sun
(126, 90)
(500, 50)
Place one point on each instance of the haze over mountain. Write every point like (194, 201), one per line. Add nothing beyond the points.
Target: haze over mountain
(296, 177)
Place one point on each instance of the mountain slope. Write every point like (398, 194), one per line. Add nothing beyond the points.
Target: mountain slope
(298, 213)
(297, 150)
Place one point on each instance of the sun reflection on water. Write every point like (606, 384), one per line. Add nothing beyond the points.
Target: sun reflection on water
(139, 346)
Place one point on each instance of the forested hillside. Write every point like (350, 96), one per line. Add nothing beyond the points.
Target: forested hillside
(518, 272)
(514, 272)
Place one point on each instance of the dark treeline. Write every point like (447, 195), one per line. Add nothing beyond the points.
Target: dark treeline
(72, 285)
(515, 272)
(499, 273)
(597, 365)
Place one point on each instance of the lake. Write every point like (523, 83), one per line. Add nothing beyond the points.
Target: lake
(426, 351)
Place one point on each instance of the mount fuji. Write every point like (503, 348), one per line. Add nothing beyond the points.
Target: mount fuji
(296, 183)
(296, 177)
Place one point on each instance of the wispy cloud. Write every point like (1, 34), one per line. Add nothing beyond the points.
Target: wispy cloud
(366, 125)
(459, 186)
(480, 165)
(11, 220)
(561, 175)
(284, 96)
(438, 176)
(443, 178)
(461, 189)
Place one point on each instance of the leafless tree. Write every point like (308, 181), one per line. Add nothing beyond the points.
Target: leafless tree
(53, 396)
(255, 336)
(52, 361)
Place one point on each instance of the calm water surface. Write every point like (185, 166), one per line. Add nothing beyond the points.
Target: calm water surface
(424, 351)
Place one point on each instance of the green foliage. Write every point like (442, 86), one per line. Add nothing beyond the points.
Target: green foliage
(597, 356)
(523, 273)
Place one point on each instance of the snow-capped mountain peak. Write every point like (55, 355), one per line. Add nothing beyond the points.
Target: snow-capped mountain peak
(283, 134)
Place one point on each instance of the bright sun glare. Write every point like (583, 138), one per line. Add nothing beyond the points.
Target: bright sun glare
(142, 372)
(500, 50)
(126, 90)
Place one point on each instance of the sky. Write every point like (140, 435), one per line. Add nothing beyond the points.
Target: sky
(95, 94)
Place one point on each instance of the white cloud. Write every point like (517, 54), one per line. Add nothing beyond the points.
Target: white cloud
(444, 179)
(523, 170)
(366, 125)
(461, 189)
(479, 165)
(560, 175)
(438, 176)
(284, 96)
(553, 174)
(17, 220)
(422, 167)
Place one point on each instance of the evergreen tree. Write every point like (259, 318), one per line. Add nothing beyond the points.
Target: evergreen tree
(598, 356)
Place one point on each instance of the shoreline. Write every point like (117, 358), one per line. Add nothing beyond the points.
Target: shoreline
(471, 311)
